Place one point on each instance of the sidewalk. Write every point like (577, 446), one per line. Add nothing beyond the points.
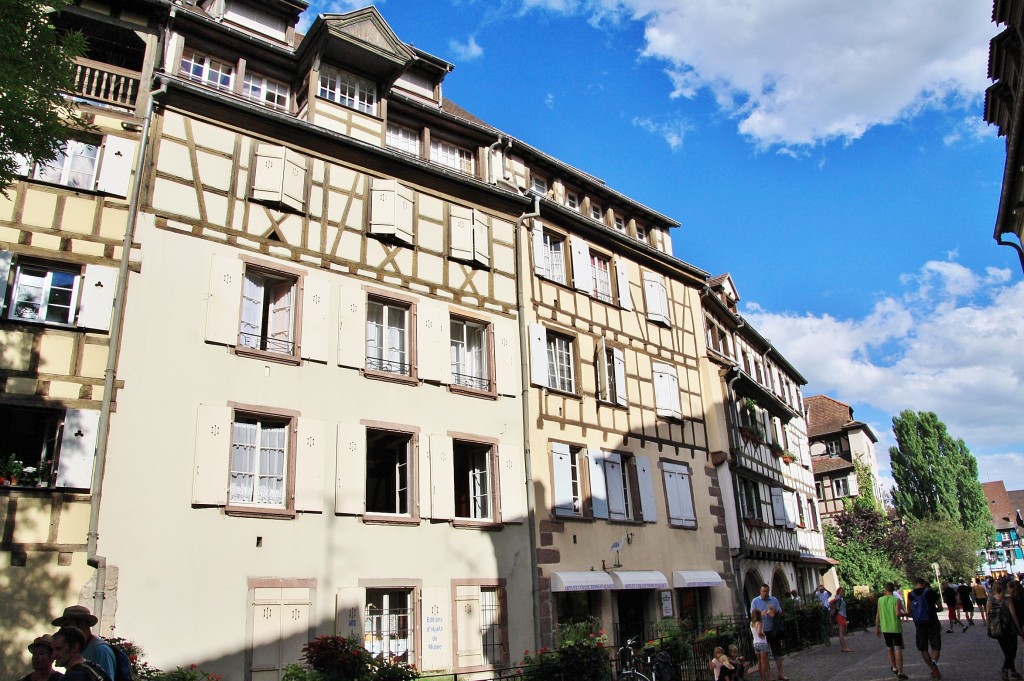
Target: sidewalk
(965, 655)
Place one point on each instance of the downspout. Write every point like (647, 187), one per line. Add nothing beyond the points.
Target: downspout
(99, 462)
(740, 597)
(490, 161)
(524, 373)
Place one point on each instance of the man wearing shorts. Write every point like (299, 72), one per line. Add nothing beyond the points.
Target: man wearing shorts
(888, 626)
(981, 598)
(951, 599)
(924, 606)
(963, 591)
(771, 615)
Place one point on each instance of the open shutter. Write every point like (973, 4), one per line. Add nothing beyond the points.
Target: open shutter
(460, 232)
(442, 478)
(512, 484)
(116, 165)
(404, 213)
(436, 628)
(5, 271)
(778, 506)
(309, 465)
(614, 478)
(352, 327)
(622, 279)
(646, 483)
(481, 240)
(507, 374)
(293, 181)
(538, 355)
(98, 287)
(349, 606)
(619, 362)
(854, 485)
(598, 485)
(213, 451)
(540, 254)
(582, 277)
(603, 379)
(467, 613)
(666, 391)
(391, 209)
(789, 499)
(268, 173)
(350, 475)
(561, 468)
(77, 448)
(433, 341)
(223, 305)
(656, 298)
(316, 301)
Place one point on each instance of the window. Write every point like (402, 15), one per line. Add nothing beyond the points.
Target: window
(600, 267)
(388, 472)
(52, 447)
(818, 490)
(74, 166)
(348, 90)
(840, 487)
(207, 70)
(539, 185)
(470, 354)
(802, 518)
(387, 337)
(88, 164)
(596, 212)
(611, 374)
(549, 254)
(620, 224)
(266, 91)
(490, 626)
(666, 391)
(572, 201)
(474, 496)
(750, 499)
(388, 624)
(641, 233)
(403, 139)
(57, 294)
(259, 461)
(679, 495)
(268, 312)
(561, 366)
(451, 156)
(833, 448)
(481, 623)
(567, 465)
(656, 295)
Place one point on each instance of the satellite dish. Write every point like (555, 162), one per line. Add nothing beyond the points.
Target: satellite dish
(616, 546)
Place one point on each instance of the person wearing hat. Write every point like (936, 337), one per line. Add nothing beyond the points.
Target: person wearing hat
(68, 644)
(96, 649)
(42, 660)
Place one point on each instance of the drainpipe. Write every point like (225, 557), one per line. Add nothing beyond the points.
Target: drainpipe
(740, 596)
(524, 369)
(490, 161)
(99, 463)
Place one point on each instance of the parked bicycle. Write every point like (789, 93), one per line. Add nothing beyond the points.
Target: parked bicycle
(638, 662)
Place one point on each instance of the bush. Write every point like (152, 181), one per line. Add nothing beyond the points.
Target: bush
(581, 655)
(190, 673)
(141, 669)
(339, 659)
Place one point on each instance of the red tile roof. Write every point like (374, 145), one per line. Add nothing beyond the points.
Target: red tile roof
(827, 464)
(1004, 513)
(825, 415)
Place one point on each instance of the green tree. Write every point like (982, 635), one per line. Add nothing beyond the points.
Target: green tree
(865, 498)
(936, 476)
(869, 546)
(38, 65)
(942, 541)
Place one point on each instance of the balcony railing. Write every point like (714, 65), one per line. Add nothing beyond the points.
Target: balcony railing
(106, 83)
(759, 536)
(752, 452)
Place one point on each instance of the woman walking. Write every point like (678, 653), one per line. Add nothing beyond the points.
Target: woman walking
(1004, 625)
(760, 644)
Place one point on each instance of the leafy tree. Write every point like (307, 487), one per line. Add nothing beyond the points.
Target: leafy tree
(942, 541)
(38, 64)
(869, 546)
(866, 498)
(936, 476)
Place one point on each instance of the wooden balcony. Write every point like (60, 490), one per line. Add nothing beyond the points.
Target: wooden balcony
(761, 540)
(105, 83)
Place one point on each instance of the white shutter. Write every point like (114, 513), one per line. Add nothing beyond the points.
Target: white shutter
(295, 631)
(293, 181)
(404, 213)
(349, 606)
(77, 448)
(646, 483)
(422, 482)
(99, 285)
(268, 173)
(619, 360)
(309, 465)
(603, 379)
(507, 374)
(116, 165)
(622, 278)
(666, 391)
(266, 635)
(582, 277)
(680, 499)
(789, 501)
(433, 341)
(460, 232)
(598, 486)
(467, 616)
(656, 298)
(442, 478)
(391, 209)
(614, 479)
(538, 355)
(350, 473)
(316, 302)
(224, 304)
(352, 327)
(512, 484)
(5, 270)
(540, 255)
(778, 506)
(481, 240)
(213, 452)
(437, 635)
(561, 468)
(854, 485)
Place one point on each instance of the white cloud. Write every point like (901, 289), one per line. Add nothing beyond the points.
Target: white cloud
(1008, 467)
(970, 129)
(466, 51)
(330, 7)
(673, 132)
(549, 100)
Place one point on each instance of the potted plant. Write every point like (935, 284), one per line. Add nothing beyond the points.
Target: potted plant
(11, 469)
(776, 449)
(788, 456)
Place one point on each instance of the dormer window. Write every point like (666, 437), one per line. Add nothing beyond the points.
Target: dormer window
(207, 70)
(641, 233)
(539, 185)
(256, 20)
(403, 139)
(451, 156)
(596, 212)
(348, 90)
(266, 91)
(572, 201)
(620, 224)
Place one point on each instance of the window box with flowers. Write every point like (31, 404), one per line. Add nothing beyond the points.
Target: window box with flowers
(788, 456)
(752, 433)
(751, 521)
(777, 450)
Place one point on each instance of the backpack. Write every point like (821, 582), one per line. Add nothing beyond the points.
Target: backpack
(920, 609)
(123, 668)
(94, 671)
(996, 619)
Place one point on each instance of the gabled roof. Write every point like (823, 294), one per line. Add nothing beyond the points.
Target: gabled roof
(1004, 514)
(826, 416)
(827, 464)
(363, 39)
(724, 284)
(1017, 503)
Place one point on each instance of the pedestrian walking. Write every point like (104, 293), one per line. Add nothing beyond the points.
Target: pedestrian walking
(963, 593)
(1004, 626)
(981, 598)
(924, 606)
(889, 625)
(950, 598)
(771, 624)
(96, 649)
(837, 607)
(68, 644)
(761, 647)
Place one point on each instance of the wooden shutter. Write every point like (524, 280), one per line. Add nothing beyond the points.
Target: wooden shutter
(540, 254)
(656, 298)
(212, 456)
(666, 390)
(619, 362)
(561, 467)
(295, 630)
(116, 165)
(293, 181)
(268, 173)
(5, 271)
(614, 479)
(404, 213)
(646, 483)
(582, 277)
(309, 465)
(622, 281)
(350, 475)
(680, 498)
(224, 302)
(352, 327)
(791, 512)
(467, 614)
(460, 232)
(778, 506)
(77, 448)
(512, 483)
(316, 302)
(99, 285)
(437, 627)
(507, 373)
(349, 607)
(854, 484)
(481, 240)
(266, 633)
(538, 355)
(433, 341)
(598, 485)
(603, 379)
(442, 478)
(391, 209)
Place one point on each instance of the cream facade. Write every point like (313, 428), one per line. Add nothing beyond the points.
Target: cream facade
(838, 442)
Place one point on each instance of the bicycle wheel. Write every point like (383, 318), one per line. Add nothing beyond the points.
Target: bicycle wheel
(632, 675)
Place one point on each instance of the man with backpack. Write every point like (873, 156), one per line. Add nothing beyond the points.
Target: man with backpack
(68, 645)
(96, 650)
(924, 606)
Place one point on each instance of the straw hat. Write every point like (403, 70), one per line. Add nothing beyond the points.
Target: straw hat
(44, 640)
(75, 613)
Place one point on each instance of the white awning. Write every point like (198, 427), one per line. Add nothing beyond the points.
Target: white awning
(639, 579)
(581, 581)
(691, 579)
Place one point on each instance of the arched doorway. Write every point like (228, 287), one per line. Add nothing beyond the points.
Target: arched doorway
(751, 587)
(780, 585)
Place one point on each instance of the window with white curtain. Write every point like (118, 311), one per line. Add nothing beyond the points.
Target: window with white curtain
(470, 354)
(259, 461)
(207, 70)
(266, 91)
(387, 337)
(600, 267)
(403, 139)
(451, 156)
(554, 255)
(474, 497)
(388, 631)
(348, 89)
(561, 364)
(268, 312)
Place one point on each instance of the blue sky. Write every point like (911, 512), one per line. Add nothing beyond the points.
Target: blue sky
(831, 156)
